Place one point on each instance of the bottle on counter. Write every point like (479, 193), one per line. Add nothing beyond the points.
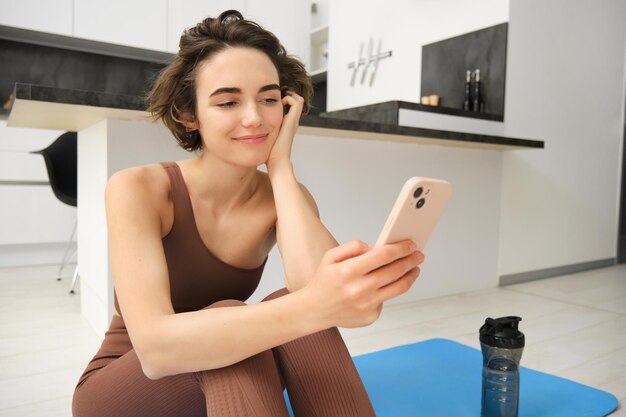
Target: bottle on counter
(502, 344)
(477, 103)
(467, 101)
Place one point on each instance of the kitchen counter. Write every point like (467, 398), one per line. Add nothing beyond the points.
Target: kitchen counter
(354, 181)
(74, 110)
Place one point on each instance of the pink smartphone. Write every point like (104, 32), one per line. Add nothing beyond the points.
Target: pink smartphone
(416, 211)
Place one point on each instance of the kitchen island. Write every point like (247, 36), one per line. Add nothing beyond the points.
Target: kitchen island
(353, 168)
(64, 109)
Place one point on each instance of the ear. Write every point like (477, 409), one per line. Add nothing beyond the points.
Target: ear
(189, 121)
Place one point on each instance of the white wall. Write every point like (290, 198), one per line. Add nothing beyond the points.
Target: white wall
(355, 183)
(289, 20)
(565, 85)
(136, 23)
(155, 24)
(34, 225)
(183, 14)
(404, 26)
(43, 16)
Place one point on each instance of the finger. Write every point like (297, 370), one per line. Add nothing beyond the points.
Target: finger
(293, 100)
(292, 117)
(391, 272)
(398, 287)
(382, 255)
(294, 111)
(291, 93)
(346, 251)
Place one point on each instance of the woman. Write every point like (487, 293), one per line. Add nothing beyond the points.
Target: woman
(189, 240)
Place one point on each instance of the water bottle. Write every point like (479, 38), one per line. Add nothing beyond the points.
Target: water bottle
(502, 344)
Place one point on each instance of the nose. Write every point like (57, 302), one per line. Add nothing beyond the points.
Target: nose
(251, 116)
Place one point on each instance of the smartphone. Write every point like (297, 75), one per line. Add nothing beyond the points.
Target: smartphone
(419, 206)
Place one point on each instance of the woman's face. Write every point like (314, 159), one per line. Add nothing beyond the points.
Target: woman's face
(239, 110)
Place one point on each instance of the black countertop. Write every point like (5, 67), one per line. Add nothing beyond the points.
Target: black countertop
(312, 124)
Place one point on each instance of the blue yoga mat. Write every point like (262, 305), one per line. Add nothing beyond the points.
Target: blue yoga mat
(439, 377)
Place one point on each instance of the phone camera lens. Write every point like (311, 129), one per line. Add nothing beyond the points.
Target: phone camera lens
(418, 192)
(420, 203)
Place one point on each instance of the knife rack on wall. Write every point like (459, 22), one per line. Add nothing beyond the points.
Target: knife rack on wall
(372, 59)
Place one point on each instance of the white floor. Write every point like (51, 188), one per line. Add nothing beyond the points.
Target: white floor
(574, 327)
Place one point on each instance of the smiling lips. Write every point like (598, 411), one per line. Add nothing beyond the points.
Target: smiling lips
(252, 139)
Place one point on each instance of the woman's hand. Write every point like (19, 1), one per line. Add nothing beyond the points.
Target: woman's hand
(281, 151)
(353, 280)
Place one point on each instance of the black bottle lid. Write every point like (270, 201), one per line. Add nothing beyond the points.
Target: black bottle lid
(502, 333)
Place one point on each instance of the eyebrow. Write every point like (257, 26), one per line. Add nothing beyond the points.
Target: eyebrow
(235, 90)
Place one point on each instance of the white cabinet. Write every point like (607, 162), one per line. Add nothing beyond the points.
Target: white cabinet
(156, 24)
(289, 20)
(42, 16)
(318, 61)
(319, 13)
(319, 51)
(136, 23)
(186, 13)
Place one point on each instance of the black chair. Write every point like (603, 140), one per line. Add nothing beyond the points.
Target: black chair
(61, 163)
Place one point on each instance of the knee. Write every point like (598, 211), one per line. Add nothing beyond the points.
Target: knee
(277, 294)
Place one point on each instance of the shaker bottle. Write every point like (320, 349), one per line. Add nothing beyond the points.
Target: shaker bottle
(502, 344)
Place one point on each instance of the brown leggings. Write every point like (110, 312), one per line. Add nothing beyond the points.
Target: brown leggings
(317, 371)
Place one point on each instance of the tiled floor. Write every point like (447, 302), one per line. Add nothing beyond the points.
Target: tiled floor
(575, 327)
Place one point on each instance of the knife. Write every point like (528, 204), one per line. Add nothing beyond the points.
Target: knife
(368, 60)
(376, 59)
(357, 64)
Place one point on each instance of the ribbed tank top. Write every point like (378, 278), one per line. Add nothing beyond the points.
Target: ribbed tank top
(197, 277)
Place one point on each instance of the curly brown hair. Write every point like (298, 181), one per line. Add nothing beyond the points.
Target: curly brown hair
(174, 89)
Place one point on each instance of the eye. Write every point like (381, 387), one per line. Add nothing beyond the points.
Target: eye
(227, 104)
(270, 100)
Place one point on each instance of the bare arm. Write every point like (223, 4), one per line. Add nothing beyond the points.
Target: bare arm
(169, 343)
(347, 289)
(302, 238)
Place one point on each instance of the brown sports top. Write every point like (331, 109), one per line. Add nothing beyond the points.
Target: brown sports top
(197, 277)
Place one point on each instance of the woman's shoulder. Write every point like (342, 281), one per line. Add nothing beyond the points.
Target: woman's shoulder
(146, 184)
(151, 176)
